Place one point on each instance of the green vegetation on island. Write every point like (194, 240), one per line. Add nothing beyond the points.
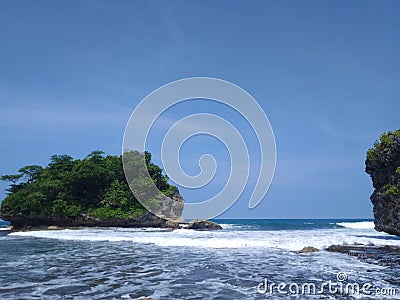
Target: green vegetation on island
(67, 188)
(383, 164)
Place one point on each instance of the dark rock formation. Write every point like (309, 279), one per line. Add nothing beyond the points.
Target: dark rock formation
(146, 220)
(383, 164)
(203, 225)
(383, 255)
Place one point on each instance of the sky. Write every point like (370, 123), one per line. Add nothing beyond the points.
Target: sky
(326, 73)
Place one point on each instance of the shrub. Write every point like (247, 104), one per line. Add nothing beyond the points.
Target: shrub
(391, 190)
(73, 210)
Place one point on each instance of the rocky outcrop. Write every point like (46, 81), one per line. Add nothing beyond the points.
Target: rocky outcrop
(383, 164)
(203, 225)
(386, 256)
(146, 220)
(171, 208)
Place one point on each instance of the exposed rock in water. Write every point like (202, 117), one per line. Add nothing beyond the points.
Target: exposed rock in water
(383, 255)
(383, 164)
(309, 249)
(203, 225)
(172, 224)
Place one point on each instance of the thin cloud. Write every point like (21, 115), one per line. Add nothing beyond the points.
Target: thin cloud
(73, 115)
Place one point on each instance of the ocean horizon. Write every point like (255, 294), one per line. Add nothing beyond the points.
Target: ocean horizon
(241, 261)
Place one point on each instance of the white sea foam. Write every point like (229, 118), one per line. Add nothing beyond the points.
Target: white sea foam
(357, 225)
(284, 239)
(227, 226)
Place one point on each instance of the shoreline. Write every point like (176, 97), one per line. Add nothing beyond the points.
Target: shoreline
(59, 228)
(147, 220)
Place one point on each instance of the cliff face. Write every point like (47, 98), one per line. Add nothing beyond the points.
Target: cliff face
(172, 209)
(383, 165)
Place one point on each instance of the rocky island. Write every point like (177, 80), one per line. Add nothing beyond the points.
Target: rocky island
(383, 165)
(83, 192)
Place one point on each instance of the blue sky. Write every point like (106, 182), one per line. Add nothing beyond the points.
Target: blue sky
(326, 73)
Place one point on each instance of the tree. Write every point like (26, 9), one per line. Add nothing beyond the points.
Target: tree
(68, 187)
(12, 178)
(118, 195)
(96, 156)
(88, 181)
(59, 207)
(14, 187)
(60, 164)
(31, 173)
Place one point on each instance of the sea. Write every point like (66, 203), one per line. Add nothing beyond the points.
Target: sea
(248, 259)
